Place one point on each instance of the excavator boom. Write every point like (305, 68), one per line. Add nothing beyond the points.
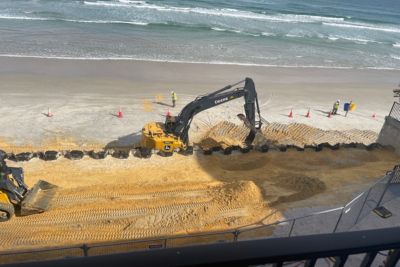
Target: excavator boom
(174, 133)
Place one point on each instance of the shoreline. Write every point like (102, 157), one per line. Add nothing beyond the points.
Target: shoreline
(145, 73)
(224, 63)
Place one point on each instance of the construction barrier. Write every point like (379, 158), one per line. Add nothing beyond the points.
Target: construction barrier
(395, 111)
(124, 153)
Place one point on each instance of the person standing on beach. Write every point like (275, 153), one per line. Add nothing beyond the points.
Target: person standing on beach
(174, 98)
(348, 107)
(336, 107)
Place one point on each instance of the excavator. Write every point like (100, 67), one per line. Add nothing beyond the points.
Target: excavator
(17, 197)
(173, 135)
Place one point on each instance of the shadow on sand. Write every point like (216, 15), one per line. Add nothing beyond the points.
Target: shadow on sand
(127, 141)
(163, 104)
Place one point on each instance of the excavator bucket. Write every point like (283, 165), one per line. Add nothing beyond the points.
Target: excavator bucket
(38, 198)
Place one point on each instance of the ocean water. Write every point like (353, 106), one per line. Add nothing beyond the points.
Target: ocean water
(289, 33)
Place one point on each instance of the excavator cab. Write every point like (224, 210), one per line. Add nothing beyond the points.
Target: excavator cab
(15, 196)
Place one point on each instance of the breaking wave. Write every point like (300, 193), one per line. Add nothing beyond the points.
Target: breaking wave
(224, 12)
(75, 20)
(363, 26)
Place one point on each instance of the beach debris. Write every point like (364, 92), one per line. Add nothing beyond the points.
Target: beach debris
(308, 115)
(374, 115)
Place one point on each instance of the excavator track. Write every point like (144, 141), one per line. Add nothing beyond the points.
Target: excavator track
(75, 220)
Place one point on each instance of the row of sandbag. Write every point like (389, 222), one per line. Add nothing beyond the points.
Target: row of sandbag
(147, 153)
(79, 154)
(284, 148)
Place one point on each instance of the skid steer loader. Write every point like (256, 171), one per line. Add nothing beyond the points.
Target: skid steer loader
(16, 197)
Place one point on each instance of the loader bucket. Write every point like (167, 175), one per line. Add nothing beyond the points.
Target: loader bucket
(38, 198)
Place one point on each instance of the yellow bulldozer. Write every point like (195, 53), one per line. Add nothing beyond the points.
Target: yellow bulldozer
(16, 197)
(173, 135)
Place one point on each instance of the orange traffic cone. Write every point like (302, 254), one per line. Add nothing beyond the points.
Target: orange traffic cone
(120, 113)
(49, 114)
(374, 115)
(291, 114)
(330, 114)
(308, 115)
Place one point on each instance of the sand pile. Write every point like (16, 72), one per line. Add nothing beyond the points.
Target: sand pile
(117, 212)
(226, 134)
(299, 187)
(301, 134)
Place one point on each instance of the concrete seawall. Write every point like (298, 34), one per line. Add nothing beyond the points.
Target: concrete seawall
(390, 133)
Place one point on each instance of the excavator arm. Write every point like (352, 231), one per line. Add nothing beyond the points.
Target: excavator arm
(179, 125)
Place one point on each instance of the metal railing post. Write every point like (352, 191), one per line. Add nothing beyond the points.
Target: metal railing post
(340, 218)
(391, 110)
(396, 169)
(85, 249)
(362, 207)
(392, 258)
(291, 227)
(368, 259)
(236, 234)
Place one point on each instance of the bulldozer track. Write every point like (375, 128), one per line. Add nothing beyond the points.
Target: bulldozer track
(91, 216)
(110, 223)
(53, 217)
(232, 212)
(81, 236)
(121, 196)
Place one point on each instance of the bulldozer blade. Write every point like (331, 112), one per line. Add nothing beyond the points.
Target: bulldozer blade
(38, 198)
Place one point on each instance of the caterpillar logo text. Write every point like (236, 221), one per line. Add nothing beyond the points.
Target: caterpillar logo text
(221, 100)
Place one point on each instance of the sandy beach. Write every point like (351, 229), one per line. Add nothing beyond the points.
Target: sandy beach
(85, 95)
(229, 191)
(80, 81)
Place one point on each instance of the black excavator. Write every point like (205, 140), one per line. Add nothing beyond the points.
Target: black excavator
(173, 135)
(17, 197)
